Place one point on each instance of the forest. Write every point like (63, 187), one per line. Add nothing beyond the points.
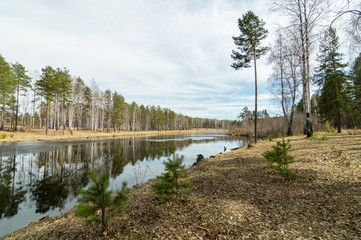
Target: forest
(55, 100)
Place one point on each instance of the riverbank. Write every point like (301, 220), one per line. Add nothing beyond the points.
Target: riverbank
(39, 134)
(234, 196)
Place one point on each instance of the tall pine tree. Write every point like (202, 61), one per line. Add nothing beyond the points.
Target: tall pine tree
(356, 88)
(46, 87)
(22, 84)
(7, 86)
(332, 80)
(248, 43)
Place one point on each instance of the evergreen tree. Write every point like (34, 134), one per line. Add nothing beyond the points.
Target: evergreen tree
(332, 80)
(279, 156)
(46, 87)
(63, 89)
(118, 107)
(98, 197)
(356, 87)
(22, 84)
(170, 182)
(248, 43)
(7, 84)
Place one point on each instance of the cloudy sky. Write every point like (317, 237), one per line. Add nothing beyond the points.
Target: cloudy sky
(175, 54)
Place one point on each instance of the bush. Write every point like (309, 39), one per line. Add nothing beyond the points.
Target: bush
(328, 128)
(279, 156)
(169, 181)
(313, 137)
(3, 136)
(324, 137)
(97, 197)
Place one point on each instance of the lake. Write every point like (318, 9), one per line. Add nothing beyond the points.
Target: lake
(41, 178)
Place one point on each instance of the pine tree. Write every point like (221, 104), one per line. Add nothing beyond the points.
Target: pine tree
(279, 156)
(118, 107)
(332, 80)
(46, 87)
(22, 84)
(170, 180)
(98, 197)
(356, 87)
(7, 86)
(248, 43)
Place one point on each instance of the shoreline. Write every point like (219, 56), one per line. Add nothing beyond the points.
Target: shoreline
(39, 134)
(234, 196)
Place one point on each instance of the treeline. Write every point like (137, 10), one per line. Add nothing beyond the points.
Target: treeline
(55, 100)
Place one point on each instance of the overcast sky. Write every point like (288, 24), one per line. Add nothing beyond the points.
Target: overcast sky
(175, 54)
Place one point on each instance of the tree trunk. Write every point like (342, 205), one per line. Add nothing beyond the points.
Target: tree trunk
(307, 97)
(63, 124)
(17, 107)
(2, 117)
(47, 117)
(255, 99)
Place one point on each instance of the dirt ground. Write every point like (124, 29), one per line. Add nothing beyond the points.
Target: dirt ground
(39, 134)
(234, 196)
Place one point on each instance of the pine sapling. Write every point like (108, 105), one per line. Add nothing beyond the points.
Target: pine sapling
(279, 159)
(170, 180)
(97, 197)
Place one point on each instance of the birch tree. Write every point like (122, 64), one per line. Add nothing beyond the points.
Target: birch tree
(304, 16)
(286, 77)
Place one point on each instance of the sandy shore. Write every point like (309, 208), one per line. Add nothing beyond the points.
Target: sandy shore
(39, 134)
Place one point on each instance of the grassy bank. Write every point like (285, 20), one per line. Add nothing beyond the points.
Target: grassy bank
(234, 196)
(39, 134)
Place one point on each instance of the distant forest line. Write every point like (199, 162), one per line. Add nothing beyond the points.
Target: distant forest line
(56, 100)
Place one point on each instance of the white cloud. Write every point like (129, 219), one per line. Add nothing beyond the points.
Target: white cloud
(170, 53)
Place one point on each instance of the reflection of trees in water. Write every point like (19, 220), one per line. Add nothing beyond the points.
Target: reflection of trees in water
(55, 176)
(10, 197)
(49, 193)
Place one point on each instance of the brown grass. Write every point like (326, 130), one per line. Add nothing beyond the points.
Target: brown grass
(39, 134)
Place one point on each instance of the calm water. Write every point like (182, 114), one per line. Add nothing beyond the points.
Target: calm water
(42, 178)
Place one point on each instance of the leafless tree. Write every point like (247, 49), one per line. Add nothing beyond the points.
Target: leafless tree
(305, 15)
(286, 77)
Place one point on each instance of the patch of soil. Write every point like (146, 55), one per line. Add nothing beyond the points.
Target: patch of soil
(234, 196)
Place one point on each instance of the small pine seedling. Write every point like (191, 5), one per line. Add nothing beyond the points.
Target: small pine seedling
(279, 159)
(324, 137)
(97, 197)
(170, 180)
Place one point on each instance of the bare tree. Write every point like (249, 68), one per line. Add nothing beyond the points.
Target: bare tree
(286, 77)
(305, 15)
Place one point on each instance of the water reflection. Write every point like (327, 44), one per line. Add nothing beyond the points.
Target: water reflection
(46, 182)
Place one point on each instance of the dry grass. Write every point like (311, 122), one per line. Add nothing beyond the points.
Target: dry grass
(274, 126)
(39, 134)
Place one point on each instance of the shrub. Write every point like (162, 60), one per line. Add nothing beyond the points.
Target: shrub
(3, 136)
(169, 181)
(328, 128)
(324, 137)
(97, 197)
(313, 137)
(279, 159)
